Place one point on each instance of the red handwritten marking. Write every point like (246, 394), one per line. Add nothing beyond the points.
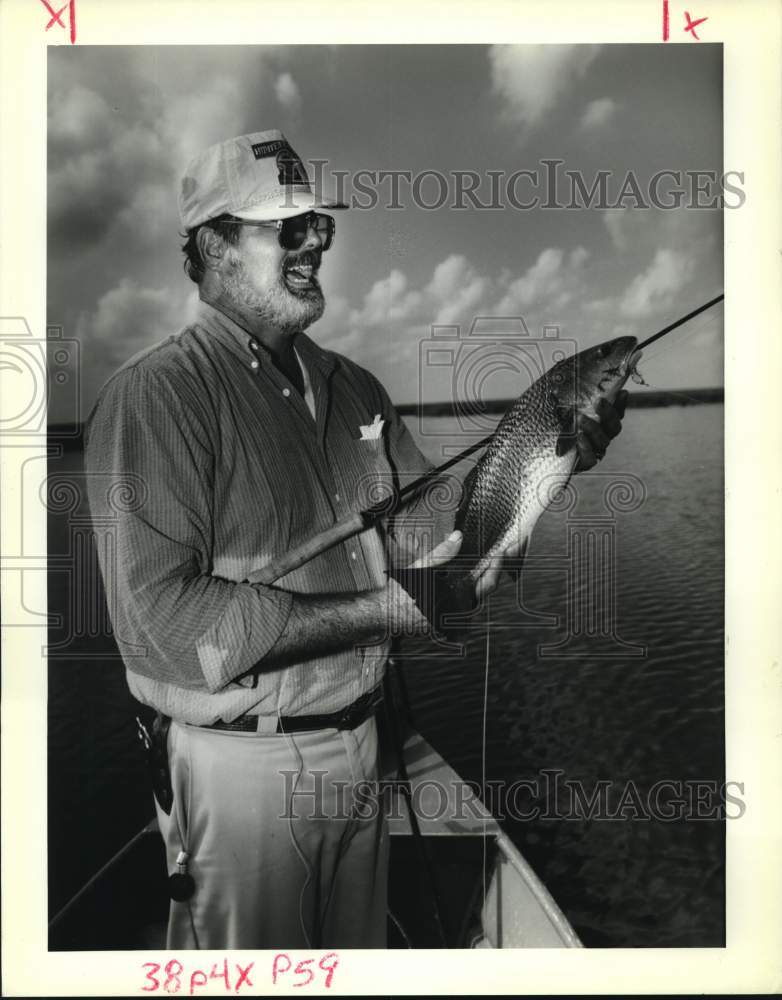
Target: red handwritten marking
(276, 968)
(329, 969)
(201, 982)
(151, 977)
(666, 21)
(303, 968)
(173, 976)
(221, 975)
(692, 25)
(300, 971)
(244, 975)
(175, 973)
(56, 17)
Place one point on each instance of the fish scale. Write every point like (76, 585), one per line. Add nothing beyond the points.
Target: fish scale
(533, 453)
(522, 452)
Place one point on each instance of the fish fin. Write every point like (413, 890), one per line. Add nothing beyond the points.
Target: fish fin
(567, 435)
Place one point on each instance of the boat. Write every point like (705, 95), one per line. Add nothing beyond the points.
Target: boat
(456, 880)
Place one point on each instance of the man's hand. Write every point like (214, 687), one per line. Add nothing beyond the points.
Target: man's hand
(442, 553)
(593, 436)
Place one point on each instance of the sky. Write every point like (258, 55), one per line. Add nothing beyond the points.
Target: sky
(123, 122)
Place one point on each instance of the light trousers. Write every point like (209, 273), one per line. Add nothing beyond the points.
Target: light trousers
(287, 844)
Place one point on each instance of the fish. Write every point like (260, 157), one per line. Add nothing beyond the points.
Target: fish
(532, 454)
(527, 463)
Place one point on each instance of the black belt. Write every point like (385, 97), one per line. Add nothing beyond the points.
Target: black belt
(346, 718)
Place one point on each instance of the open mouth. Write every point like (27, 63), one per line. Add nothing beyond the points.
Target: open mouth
(300, 272)
(632, 370)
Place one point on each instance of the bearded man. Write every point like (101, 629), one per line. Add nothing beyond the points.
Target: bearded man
(242, 437)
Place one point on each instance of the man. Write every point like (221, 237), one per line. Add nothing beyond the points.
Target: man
(240, 437)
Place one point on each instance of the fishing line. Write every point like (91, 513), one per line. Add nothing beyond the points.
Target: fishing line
(680, 322)
(666, 347)
(302, 856)
(483, 738)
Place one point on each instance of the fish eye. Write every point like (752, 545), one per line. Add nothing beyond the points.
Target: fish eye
(603, 350)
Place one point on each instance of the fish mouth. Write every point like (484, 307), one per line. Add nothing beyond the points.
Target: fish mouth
(632, 360)
(632, 369)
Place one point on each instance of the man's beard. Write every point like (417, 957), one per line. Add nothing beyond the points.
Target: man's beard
(279, 306)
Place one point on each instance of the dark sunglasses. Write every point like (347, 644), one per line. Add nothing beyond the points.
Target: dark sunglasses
(291, 233)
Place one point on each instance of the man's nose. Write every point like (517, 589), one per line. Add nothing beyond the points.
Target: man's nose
(312, 240)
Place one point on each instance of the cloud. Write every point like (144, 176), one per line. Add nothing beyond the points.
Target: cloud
(287, 91)
(643, 229)
(385, 331)
(388, 301)
(456, 288)
(553, 281)
(194, 120)
(129, 318)
(105, 169)
(598, 113)
(667, 274)
(532, 79)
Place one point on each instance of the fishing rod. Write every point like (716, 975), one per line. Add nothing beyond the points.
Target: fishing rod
(680, 322)
(363, 519)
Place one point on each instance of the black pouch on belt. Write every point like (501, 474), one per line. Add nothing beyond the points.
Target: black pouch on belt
(156, 753)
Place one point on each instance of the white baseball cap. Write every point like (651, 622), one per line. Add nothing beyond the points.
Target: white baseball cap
(257, 177)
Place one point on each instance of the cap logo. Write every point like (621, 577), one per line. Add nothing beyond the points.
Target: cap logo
(290, 169)
(263, 149)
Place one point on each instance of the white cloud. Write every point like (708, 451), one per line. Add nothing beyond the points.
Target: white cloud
(388, 301)
(532, 79)
(667, 274)
(552, 281)
(385, 332)
(129, 318)
(457, 287)
(598, 113)
(287, 91)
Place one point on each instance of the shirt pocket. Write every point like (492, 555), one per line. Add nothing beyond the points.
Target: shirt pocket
(367, 475)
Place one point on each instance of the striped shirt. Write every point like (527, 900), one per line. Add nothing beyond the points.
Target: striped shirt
(218, 466)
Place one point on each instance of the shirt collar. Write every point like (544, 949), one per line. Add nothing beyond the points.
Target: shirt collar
(228, 332)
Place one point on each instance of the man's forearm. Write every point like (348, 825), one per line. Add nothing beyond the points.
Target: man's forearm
(326, 623)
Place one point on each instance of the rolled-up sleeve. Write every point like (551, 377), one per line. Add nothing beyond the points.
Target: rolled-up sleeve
(149, 464)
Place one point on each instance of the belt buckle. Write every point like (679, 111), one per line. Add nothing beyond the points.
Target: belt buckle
(343, 722)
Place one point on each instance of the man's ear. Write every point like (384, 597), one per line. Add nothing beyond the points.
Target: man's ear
(211, 247)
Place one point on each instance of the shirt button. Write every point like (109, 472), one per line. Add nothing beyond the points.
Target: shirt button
(254, 364)
(286, 391)
(353, 555)
(337, 497)
(254, 345)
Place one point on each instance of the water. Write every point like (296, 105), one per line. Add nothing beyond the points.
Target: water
(604, 714)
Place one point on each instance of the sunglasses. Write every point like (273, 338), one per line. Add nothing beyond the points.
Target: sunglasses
(291, 233)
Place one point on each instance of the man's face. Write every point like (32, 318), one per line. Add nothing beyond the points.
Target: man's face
(280, 286)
